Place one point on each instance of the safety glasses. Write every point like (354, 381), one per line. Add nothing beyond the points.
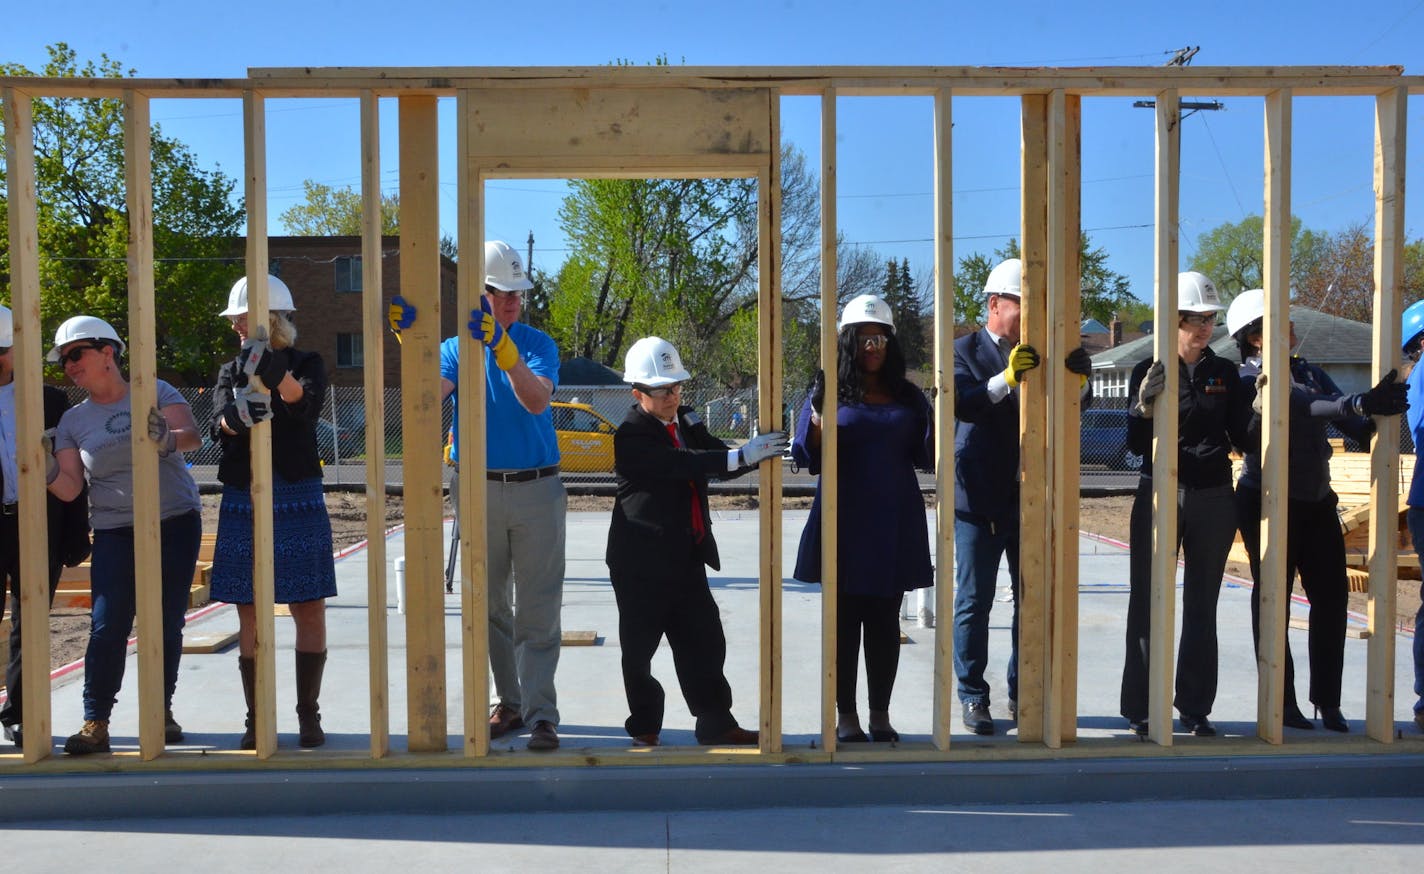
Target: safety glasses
(1198, 320)
(661, 391)
(875, 342)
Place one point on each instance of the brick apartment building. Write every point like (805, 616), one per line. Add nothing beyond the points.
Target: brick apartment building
(324, 274)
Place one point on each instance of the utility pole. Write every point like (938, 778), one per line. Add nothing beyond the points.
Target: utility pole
(529, 260)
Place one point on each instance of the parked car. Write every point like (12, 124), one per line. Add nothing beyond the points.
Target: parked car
(585, 438)
(1104, 440)
(352, 442)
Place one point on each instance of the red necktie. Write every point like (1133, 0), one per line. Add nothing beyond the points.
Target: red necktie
(699, 528)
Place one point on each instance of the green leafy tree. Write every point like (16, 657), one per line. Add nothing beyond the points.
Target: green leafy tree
(83, 224)
(337, 212)
(678, 258)
(1104, 291)
(1232, 254)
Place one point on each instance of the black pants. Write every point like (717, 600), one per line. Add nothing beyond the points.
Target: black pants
(1206, 525)
(673, 601)
(12, 712)
(1315, 548)
(880, 619)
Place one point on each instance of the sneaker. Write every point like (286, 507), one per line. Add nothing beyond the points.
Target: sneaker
(1198, 725)
(1138, 727)
(172, 731)
(504, 719)
(92, 738)
(544, 736)
(15, 735)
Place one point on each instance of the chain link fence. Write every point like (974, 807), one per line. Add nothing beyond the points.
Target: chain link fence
(585, 418)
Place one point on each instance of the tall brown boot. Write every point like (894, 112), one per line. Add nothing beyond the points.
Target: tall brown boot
(247, 666)
(309, 669)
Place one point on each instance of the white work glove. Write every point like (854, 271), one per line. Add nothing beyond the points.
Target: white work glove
(1152, 385)
(1260, 393)
(160, 433)
(763, 446)
(51, 463)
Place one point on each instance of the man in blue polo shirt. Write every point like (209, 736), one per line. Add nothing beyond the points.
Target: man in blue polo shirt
(526, 503)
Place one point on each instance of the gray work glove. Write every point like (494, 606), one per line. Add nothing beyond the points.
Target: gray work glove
(1260, 393)
(763, 446)
(1153, 383)
(51, 463)
(259, 359)
(249, 406)
(160, 433)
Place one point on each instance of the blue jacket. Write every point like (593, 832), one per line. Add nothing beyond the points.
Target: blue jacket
(1416, 430)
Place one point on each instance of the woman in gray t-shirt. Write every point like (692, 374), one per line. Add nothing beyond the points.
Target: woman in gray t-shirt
(92, 442)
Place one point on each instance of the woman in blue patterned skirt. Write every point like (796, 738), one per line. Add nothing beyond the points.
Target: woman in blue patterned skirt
(302, 557)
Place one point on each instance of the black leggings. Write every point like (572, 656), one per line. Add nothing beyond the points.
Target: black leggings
(880, 618)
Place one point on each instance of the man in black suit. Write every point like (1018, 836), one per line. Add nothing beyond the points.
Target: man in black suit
(68, 523)
(660, 542)
(988, 365)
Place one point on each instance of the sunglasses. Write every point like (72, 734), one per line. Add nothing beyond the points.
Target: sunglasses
(662, 391)
(875, 342)
(502, 295)
(1198, 320)
(75, 353)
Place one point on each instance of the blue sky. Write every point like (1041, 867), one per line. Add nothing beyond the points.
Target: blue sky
(885, 148)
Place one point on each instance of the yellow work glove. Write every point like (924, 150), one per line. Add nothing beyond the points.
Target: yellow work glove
(1022, 359)
(401, 315)
(487, 330)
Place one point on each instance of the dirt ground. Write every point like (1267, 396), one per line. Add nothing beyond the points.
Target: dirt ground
(1105, 516)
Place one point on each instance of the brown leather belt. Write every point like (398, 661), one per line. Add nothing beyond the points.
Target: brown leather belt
(522, 476)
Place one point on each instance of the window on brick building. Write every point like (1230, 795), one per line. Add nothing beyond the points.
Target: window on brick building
(348, 274)
(350, 351)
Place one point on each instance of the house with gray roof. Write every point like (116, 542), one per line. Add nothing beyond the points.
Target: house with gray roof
(1340, 346)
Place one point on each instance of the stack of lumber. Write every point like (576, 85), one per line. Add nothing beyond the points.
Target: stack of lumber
(73, 592)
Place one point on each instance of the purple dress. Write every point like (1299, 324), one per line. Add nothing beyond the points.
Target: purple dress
(882, 535)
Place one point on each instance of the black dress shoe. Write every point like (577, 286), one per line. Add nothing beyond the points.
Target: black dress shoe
(1333, 719)
(1295, 719)
(855, 737)
(1198, 725)
(885, 735)
(977, 718)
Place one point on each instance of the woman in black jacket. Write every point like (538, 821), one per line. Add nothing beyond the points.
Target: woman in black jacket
(1214, 415)
(305, 573)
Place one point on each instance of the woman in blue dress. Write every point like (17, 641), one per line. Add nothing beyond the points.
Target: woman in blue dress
(305, 573)
(885, 432)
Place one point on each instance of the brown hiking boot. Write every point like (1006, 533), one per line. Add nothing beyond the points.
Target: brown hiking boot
(92, 738)
(504, 719)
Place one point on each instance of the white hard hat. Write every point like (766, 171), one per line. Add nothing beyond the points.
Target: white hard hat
(653, 361)
(83, 328)
(1246, 307)
(865, 309)
(503, 269)
(7, 327)
(1006, 279)
(1197, 294)
(279, 297)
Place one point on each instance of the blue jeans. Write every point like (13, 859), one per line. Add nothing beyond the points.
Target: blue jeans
(1416, 533)
(111, 582)
(978, 547)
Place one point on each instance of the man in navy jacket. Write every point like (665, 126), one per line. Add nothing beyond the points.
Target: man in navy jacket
(988, 366)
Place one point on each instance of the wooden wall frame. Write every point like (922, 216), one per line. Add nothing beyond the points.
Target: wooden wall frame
(714, 121)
